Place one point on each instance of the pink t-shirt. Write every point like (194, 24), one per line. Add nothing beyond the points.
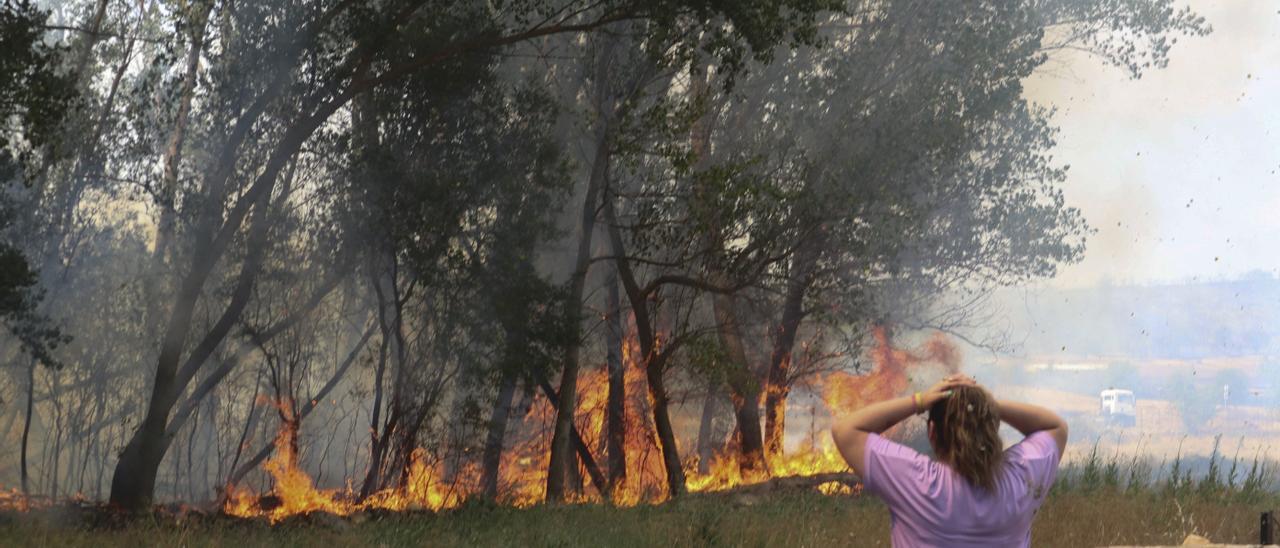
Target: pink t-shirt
(930, 505)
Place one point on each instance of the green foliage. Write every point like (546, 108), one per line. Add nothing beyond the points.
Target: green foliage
(34, 94)
(1215, 481)
(917, 153)
(707, 358)
(418, 142)
(34, 98)
(731, 33)
(1151, 29)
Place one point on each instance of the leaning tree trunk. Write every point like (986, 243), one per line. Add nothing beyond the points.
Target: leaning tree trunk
(579, 445)
(654, 362)
(560, 458)
(134, 478)
(662, 423)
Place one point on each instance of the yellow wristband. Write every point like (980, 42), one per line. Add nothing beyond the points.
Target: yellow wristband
(918, 400)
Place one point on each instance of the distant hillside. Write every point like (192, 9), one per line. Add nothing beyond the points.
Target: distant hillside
(1183, 321)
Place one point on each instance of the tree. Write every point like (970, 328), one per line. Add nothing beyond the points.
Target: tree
(380, 220)
(731, 33)
(284, 80)
(901, 180)
(33, 100)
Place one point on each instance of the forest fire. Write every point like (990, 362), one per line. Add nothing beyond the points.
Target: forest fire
(891, 373)
(523, 470)
(14, 500)
(427, 484)
(295, 492)
(579, 272)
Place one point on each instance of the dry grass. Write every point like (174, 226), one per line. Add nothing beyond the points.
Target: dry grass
(1110, 518)
(1097, 502)
(1068, 519)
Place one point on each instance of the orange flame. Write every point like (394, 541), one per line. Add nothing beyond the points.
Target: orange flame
(295, 493)
(890, 375)
(523, 471)
(14, 500)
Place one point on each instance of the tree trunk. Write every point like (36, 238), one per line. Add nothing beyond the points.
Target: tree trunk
(806, 260)
(191, 450)
(90, 440)
(745, 388)
(492, 459)
(616, 406)
(654, 363)
(58, 422)
(173, 148)
(743, 382)
(559, 460)
(133, 483)
(250, 421)
(26, 425)
(93, 32)
(573, 475)
(401, 437)
(666, 434)
(584, 452)
(706, 427)
(376, 441)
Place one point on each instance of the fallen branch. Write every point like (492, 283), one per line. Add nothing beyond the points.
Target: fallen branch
(789, 483)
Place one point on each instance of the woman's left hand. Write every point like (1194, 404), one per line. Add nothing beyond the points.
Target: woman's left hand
(942, 388)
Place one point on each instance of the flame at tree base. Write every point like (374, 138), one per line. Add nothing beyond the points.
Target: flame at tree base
(295, 493)
(815, 464)
(13, 499)
(524, 463)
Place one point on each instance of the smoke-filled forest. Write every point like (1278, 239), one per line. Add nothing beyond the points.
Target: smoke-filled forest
(270, 259)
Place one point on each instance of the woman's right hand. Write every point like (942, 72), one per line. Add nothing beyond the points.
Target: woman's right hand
(942, 388)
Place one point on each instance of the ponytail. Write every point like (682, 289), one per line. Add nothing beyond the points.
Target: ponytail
(966, 435)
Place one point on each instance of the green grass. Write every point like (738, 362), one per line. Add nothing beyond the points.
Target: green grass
(1100, 501)
(785, 520)
(1067, 519)
(1236, 480)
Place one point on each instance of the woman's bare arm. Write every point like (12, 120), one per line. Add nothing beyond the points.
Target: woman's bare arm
(1029, 419)
(850, 432)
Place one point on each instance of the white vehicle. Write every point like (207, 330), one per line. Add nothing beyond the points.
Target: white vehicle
(1118, 406)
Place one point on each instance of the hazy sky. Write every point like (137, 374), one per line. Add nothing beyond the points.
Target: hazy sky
(1179, 171)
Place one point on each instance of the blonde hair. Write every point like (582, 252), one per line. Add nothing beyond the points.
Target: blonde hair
(966, 435)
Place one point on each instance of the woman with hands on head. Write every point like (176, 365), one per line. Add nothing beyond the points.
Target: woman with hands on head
(974, 493)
